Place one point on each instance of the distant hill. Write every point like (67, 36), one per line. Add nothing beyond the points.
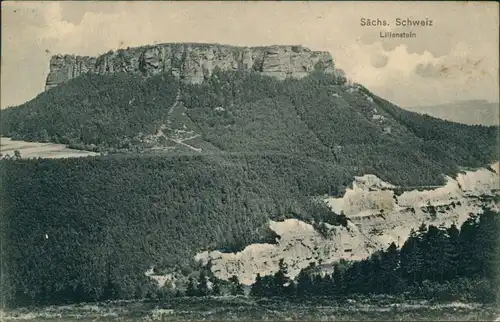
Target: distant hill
(466, 112)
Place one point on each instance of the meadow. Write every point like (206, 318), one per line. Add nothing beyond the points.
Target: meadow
(374, 308)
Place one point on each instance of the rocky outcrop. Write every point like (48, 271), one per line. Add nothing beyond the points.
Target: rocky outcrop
(63, 68)
(193, 63)
(377, 217)
(299, 245)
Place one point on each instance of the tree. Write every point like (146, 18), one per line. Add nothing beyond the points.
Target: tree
(318, 285)
(390, 268)
(216, 291)
(17, 155)
(280, 279)
(468, 232)
(327, 285)
(257, 289)
(356, 279)
(304, 284)
(377, 273)
(411, 258)
(202, 287)
(110, 290)
(236, 287)
(338, 279)
(190, 291)
(453, 252)
(435, 260)
(44, 136)
(487, 241)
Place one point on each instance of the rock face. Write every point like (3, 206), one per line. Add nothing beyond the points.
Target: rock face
(377, 217)
(299, 245)
(193, 63)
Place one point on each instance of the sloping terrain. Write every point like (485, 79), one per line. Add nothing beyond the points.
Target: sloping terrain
(92, 225)
(198, 166)
(237, 112)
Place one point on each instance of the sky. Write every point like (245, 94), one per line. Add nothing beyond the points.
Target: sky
(457, 58)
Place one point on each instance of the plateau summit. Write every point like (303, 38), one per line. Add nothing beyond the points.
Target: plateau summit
(193, 63)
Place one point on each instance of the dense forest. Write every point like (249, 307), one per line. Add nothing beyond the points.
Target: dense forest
(435, 263)
(65, 221)
(93, 111)
(319, 116)
(88, 229)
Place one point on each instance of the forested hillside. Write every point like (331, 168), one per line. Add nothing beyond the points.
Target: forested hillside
(318, 116)
(103, 111)
(70, 225)
(257, 149)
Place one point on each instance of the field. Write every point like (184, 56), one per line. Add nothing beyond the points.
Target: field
(40, 150)
(242, 308)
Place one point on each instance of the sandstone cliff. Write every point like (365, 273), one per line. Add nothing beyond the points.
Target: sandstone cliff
(377, 217)
(193, 63)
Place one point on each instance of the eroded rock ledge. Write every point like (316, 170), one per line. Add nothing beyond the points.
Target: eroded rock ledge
(377, 217)
(193, 63)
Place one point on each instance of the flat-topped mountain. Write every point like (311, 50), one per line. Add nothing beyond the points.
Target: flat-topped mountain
(193, 63)
(218, 99)
(209, 98)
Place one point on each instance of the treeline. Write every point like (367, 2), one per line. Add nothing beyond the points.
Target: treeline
(442, 263)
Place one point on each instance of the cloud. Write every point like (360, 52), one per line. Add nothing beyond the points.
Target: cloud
(73, 12)
(428, 70)
(379, 60)
(443, 70)
(462, 64)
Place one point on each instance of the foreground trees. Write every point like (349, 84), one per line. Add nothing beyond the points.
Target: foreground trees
(441, 262)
